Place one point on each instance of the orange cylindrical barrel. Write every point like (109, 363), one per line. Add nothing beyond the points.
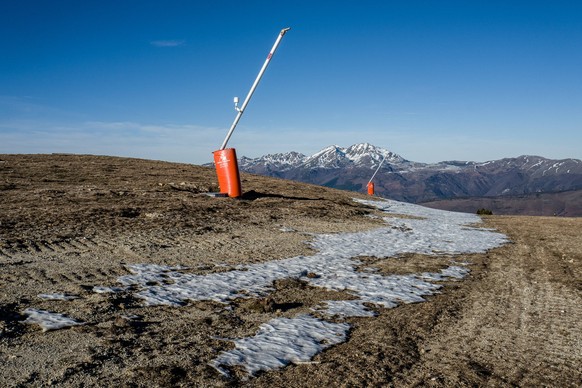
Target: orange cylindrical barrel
(370, 188)
(227, 171)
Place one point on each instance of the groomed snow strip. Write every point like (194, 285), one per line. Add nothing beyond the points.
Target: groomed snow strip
(431, 232)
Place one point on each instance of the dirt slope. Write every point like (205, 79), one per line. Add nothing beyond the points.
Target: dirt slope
(68, 223)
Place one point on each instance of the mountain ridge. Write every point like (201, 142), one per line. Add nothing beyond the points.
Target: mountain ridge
(405, 180)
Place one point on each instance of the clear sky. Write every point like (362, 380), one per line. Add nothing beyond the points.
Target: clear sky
(429, 80)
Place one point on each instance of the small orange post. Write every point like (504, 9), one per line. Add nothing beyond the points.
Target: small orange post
(370, 188)
(227, 171)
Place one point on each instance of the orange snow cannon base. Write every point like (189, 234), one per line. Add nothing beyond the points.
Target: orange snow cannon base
(371, 188)
(227, 171)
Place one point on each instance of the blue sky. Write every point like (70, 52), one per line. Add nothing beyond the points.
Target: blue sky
(429, 80)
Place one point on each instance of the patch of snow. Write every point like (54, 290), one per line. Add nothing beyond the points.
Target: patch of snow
(336, 266)
(345, 308)
(536, 164)
(282, 341)
(386, 291)
(108, 290)
(58, 296)
(49, 321)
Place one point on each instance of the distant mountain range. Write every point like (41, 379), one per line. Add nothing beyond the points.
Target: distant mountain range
(351, 168)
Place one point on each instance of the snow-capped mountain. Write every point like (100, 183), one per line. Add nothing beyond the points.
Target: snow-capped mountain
(357, 155)
(350, 168)
(332, 157)
(274, 162)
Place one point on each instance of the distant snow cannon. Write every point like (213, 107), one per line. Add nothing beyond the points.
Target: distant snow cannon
(370, 183)
(225, 158)
(370, 188)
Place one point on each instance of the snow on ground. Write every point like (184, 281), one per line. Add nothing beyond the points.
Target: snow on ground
(335, 267)
(48, 320)
(107, 290)
(58, 296)
(281, 341)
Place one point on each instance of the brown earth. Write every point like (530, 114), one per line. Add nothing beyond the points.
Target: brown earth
(68, 223)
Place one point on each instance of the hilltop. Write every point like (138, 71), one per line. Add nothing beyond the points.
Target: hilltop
(96, 253)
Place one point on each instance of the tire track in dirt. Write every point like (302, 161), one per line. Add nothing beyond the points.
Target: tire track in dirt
(515, 326)
(44, 247)
(64, 265)
(70, 262)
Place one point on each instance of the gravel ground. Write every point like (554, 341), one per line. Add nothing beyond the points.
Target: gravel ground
(69, 223)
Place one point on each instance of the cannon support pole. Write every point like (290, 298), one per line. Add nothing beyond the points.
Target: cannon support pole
(375, 172)
(370, 185)
(241, 110)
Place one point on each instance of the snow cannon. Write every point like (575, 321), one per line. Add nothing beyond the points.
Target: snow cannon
(225, 158)
(370, 188)
(227, 172)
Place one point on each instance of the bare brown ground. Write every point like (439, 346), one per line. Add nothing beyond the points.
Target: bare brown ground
(68, 223)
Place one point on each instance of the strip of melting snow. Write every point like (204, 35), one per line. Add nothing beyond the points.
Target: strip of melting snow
(285, 340)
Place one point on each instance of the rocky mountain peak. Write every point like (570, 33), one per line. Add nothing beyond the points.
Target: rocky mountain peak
(363, 155)
(356, 155)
